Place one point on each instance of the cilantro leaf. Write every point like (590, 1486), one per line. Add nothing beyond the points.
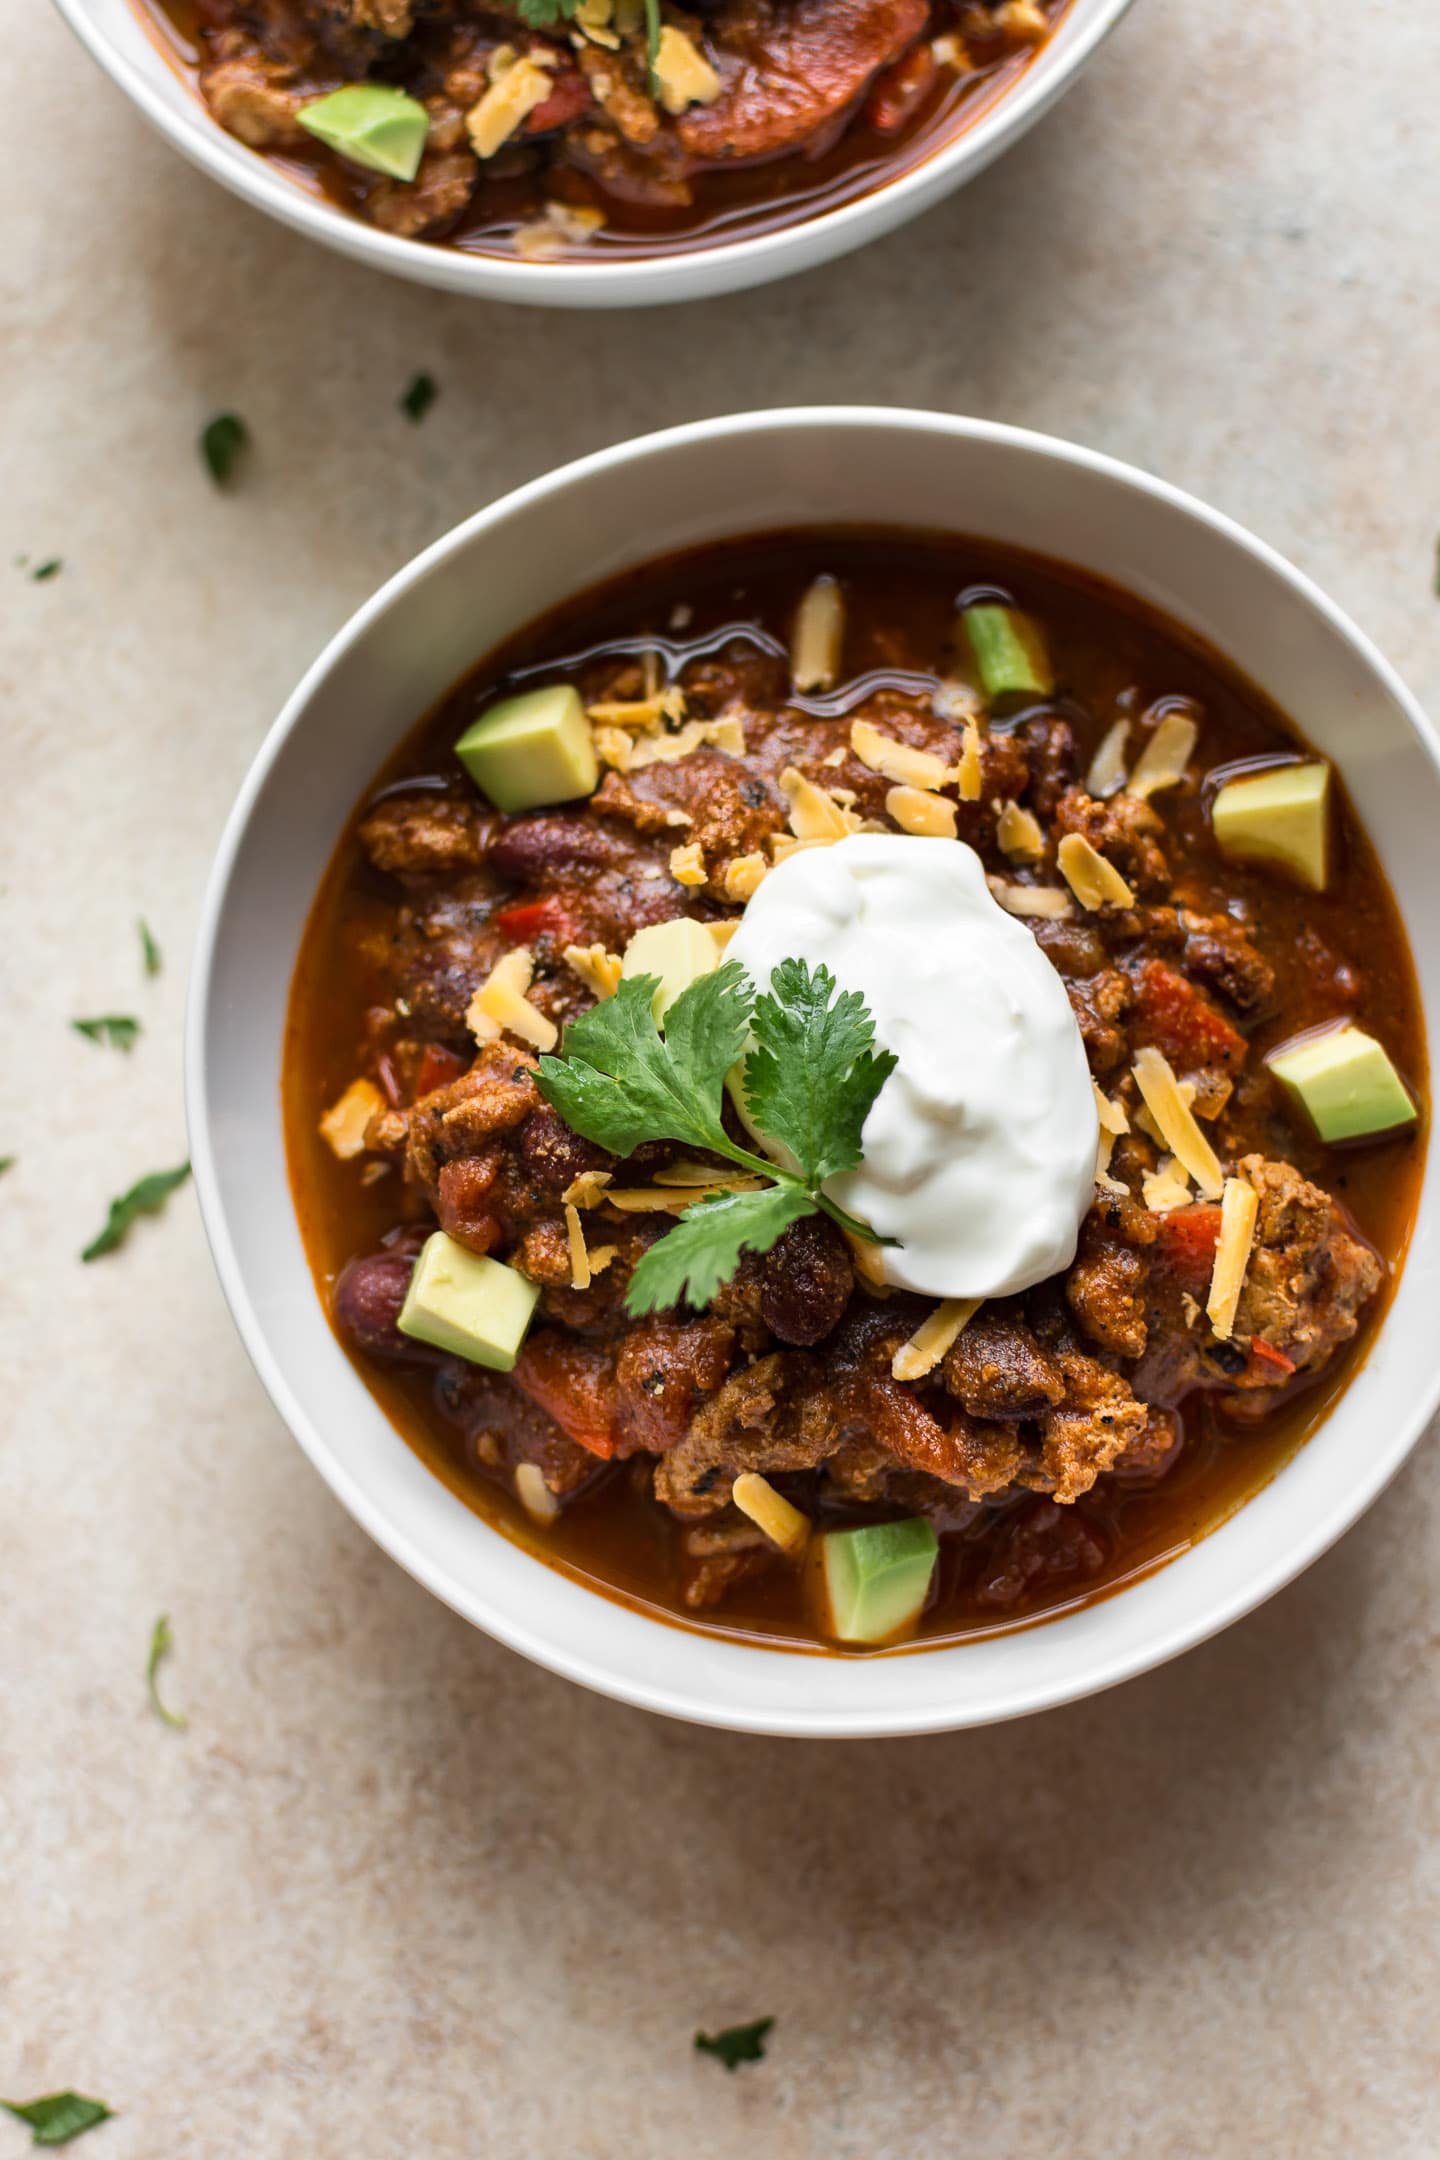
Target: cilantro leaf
(737, 2044)
(541, 13)
(119, 1030)
(221, 442)
(162, 1642)
(418, 399)
(148, 947)
(7, 1162)
(621, 1082)
(59, 2116)
(145, 1198)
(703, 1250)
(811, 1079)
(43, 572)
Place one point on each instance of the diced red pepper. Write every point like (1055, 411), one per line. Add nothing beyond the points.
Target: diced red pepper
(437, 1068)
(569, 98)
(1183, 1022)
(1185, 1242)
(1266, 1354)
(900, 90)
(536, 919)
(574, 1383)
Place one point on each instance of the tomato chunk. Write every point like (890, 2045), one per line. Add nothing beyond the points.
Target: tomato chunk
(536, 919)
(574, 1383)
(437, 1068)
(1183, 1022)
(1185, 1242)
(900, 90)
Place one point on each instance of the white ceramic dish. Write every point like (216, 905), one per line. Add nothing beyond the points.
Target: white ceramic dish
(114, 35)
(716, 479)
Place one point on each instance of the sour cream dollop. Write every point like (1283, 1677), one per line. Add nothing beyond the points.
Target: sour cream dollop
(979, 1151)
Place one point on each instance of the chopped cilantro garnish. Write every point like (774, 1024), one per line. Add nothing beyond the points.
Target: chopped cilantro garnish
(418, 399)
(59, 2116)
(221, 441)
(162, 1642)
(119, 1030)
(809, 1082)
(46, 570)
(543, 14)
(737, 2044)
(148, 947)
(145, 1198)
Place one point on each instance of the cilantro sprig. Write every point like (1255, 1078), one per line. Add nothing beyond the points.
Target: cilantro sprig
(809, 1075)
(58, 2117)
(737, 2043)
(544, 14)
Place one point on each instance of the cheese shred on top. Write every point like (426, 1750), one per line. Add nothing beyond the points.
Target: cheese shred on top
(344, 1123)
(1239, 1207)
(932, 817)
(814, 813)
(579, 1257)
(1107, 768)
(770, 1511)
(1095, 882)
(509, 101)
(1162, 763)
(1039, 902)
(587, 1190)
(895, 760)
(599, 970)
(819, 637)
(1166, 1188)
(934, 1336)
(1176, 1121)
(968, 773)
(500, 1005)
(1018, 834)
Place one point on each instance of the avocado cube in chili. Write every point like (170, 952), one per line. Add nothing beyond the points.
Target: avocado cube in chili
(1346, 1085)
(1280, 817)
(1010, 656)
(371, 124)
(877, 1578)
(532, 749)
(475, 1308)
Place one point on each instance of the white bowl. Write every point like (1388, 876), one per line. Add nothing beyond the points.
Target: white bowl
(113, 34)
(713, 480)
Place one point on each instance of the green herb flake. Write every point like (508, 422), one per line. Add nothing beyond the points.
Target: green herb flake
(162, 1642)
(7, 1162)
(737, 2044)
(619, 1082)
(43, 572)
(59, 2116)
(150, 951)
(145, 1198)
(418, 399)
(121, 1031)
(221, 442)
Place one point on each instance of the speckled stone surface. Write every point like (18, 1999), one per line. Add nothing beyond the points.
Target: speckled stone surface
(394, 1893)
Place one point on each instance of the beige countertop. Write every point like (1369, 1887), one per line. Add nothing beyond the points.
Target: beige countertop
(395, 1893)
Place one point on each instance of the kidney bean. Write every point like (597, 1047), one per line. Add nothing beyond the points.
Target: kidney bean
(534, 849)
(807, 1280)
(368, 1298)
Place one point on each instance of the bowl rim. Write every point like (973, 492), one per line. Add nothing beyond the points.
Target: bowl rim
(728, 266)
(1364, 1482)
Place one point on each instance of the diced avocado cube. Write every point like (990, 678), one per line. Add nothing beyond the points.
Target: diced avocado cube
(1281, 816)
(532, 749)
(877, 1578)
(678, 952)
(473, 1307)
(372, 125)
(1346, 1085)
(1009, 651)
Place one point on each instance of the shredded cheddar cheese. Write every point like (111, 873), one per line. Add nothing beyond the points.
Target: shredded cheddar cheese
(644, 716)
(968, 772)
(1176, 1121)
(1095, 882)
(934, 1336)
(510, 99)
(1162, 763)
(770, 1511)
(1166, 1187)
(687, 864)
(587, 1190)
(1239, 1207)
(579, 1257)
(501, 1005)
(1018, 834)
(1113, 1122)
(674, 1199)
(559, 226)
(1037, 902)
(743, 875)
(895, 760)
(814, 814)
(930, 816)
(818, 637)
(344, 1123)
(682, 73)
(598, 969)
(722, 932)
(601, 1257)
(534, 1494)
(724, 734)
(1108, 766)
